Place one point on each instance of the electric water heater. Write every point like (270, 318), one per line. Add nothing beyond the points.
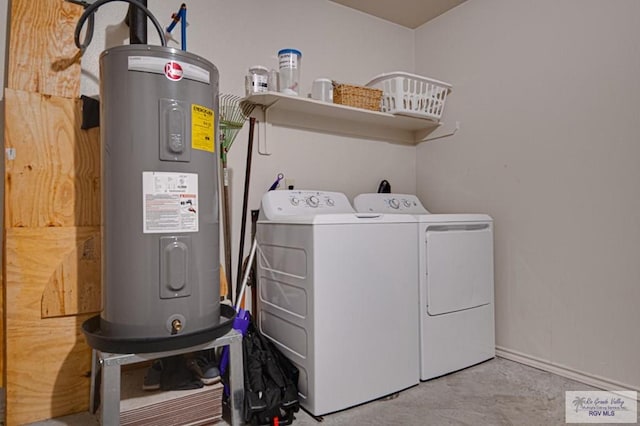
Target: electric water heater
(159, 121)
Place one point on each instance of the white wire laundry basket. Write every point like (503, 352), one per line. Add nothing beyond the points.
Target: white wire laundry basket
(412, 95)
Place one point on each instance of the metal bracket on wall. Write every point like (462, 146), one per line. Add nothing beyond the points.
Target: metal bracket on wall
(264, 129)
(443, 132)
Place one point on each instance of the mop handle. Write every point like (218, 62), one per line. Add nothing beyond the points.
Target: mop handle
(245, 277)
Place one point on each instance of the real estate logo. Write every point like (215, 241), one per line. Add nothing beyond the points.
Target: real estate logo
(601, 407)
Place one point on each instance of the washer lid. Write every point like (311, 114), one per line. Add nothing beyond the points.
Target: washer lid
(342, 219)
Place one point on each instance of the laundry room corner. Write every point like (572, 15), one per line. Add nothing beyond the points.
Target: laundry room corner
(547, 97)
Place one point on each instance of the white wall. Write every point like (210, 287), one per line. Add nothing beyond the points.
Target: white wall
(336, 42)
(548, 95)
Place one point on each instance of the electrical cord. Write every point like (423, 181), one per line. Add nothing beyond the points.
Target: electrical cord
(89, 14)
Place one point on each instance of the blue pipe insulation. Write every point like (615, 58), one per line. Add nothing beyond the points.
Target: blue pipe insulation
(180, 16)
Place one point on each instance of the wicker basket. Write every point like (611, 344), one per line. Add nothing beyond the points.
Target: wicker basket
(357, 96)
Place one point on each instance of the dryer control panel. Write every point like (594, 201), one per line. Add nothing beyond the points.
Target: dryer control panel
(304, 203)
(388, 203)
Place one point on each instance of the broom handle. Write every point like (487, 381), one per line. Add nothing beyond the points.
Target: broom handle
(226, 222)
(245, 278)
(245, 198)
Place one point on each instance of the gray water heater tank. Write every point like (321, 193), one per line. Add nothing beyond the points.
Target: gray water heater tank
(159, 121)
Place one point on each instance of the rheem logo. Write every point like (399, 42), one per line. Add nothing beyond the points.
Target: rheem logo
(173, 71)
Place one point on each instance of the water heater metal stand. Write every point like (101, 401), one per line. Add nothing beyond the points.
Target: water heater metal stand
(109, 365)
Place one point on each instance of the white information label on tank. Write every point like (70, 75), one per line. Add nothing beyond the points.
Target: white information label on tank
(169, 202)
(169, 67)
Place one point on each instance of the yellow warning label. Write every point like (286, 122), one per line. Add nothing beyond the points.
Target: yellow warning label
(202, 128)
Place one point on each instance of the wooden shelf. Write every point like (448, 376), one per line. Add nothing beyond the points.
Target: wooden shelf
(299, 112)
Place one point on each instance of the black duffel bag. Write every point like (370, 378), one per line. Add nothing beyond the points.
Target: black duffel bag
(270, 381)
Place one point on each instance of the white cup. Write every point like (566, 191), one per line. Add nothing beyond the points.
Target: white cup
(322, 90)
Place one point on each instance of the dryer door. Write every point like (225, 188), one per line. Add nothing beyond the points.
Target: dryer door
(459, 267)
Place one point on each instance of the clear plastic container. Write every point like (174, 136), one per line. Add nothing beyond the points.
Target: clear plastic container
(290, 61)
(322, 90)
(257, 80)
(273, 80)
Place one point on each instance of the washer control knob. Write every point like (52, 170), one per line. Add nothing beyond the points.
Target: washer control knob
(406, 203)
(313, 201)
(330, 202)
(294, 201)
(394, 203)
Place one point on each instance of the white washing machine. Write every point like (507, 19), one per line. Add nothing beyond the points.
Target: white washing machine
(455, 265)
(336, 293)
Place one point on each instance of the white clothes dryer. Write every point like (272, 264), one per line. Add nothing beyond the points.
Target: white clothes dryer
(333, 292)
(456, 283)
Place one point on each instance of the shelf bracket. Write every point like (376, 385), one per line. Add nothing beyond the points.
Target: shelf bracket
(438, 135)
(264, 129)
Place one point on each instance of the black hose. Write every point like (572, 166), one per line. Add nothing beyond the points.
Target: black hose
(90, 10)
(137, 22)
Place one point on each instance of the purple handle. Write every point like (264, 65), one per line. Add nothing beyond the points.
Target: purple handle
(241, 324)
